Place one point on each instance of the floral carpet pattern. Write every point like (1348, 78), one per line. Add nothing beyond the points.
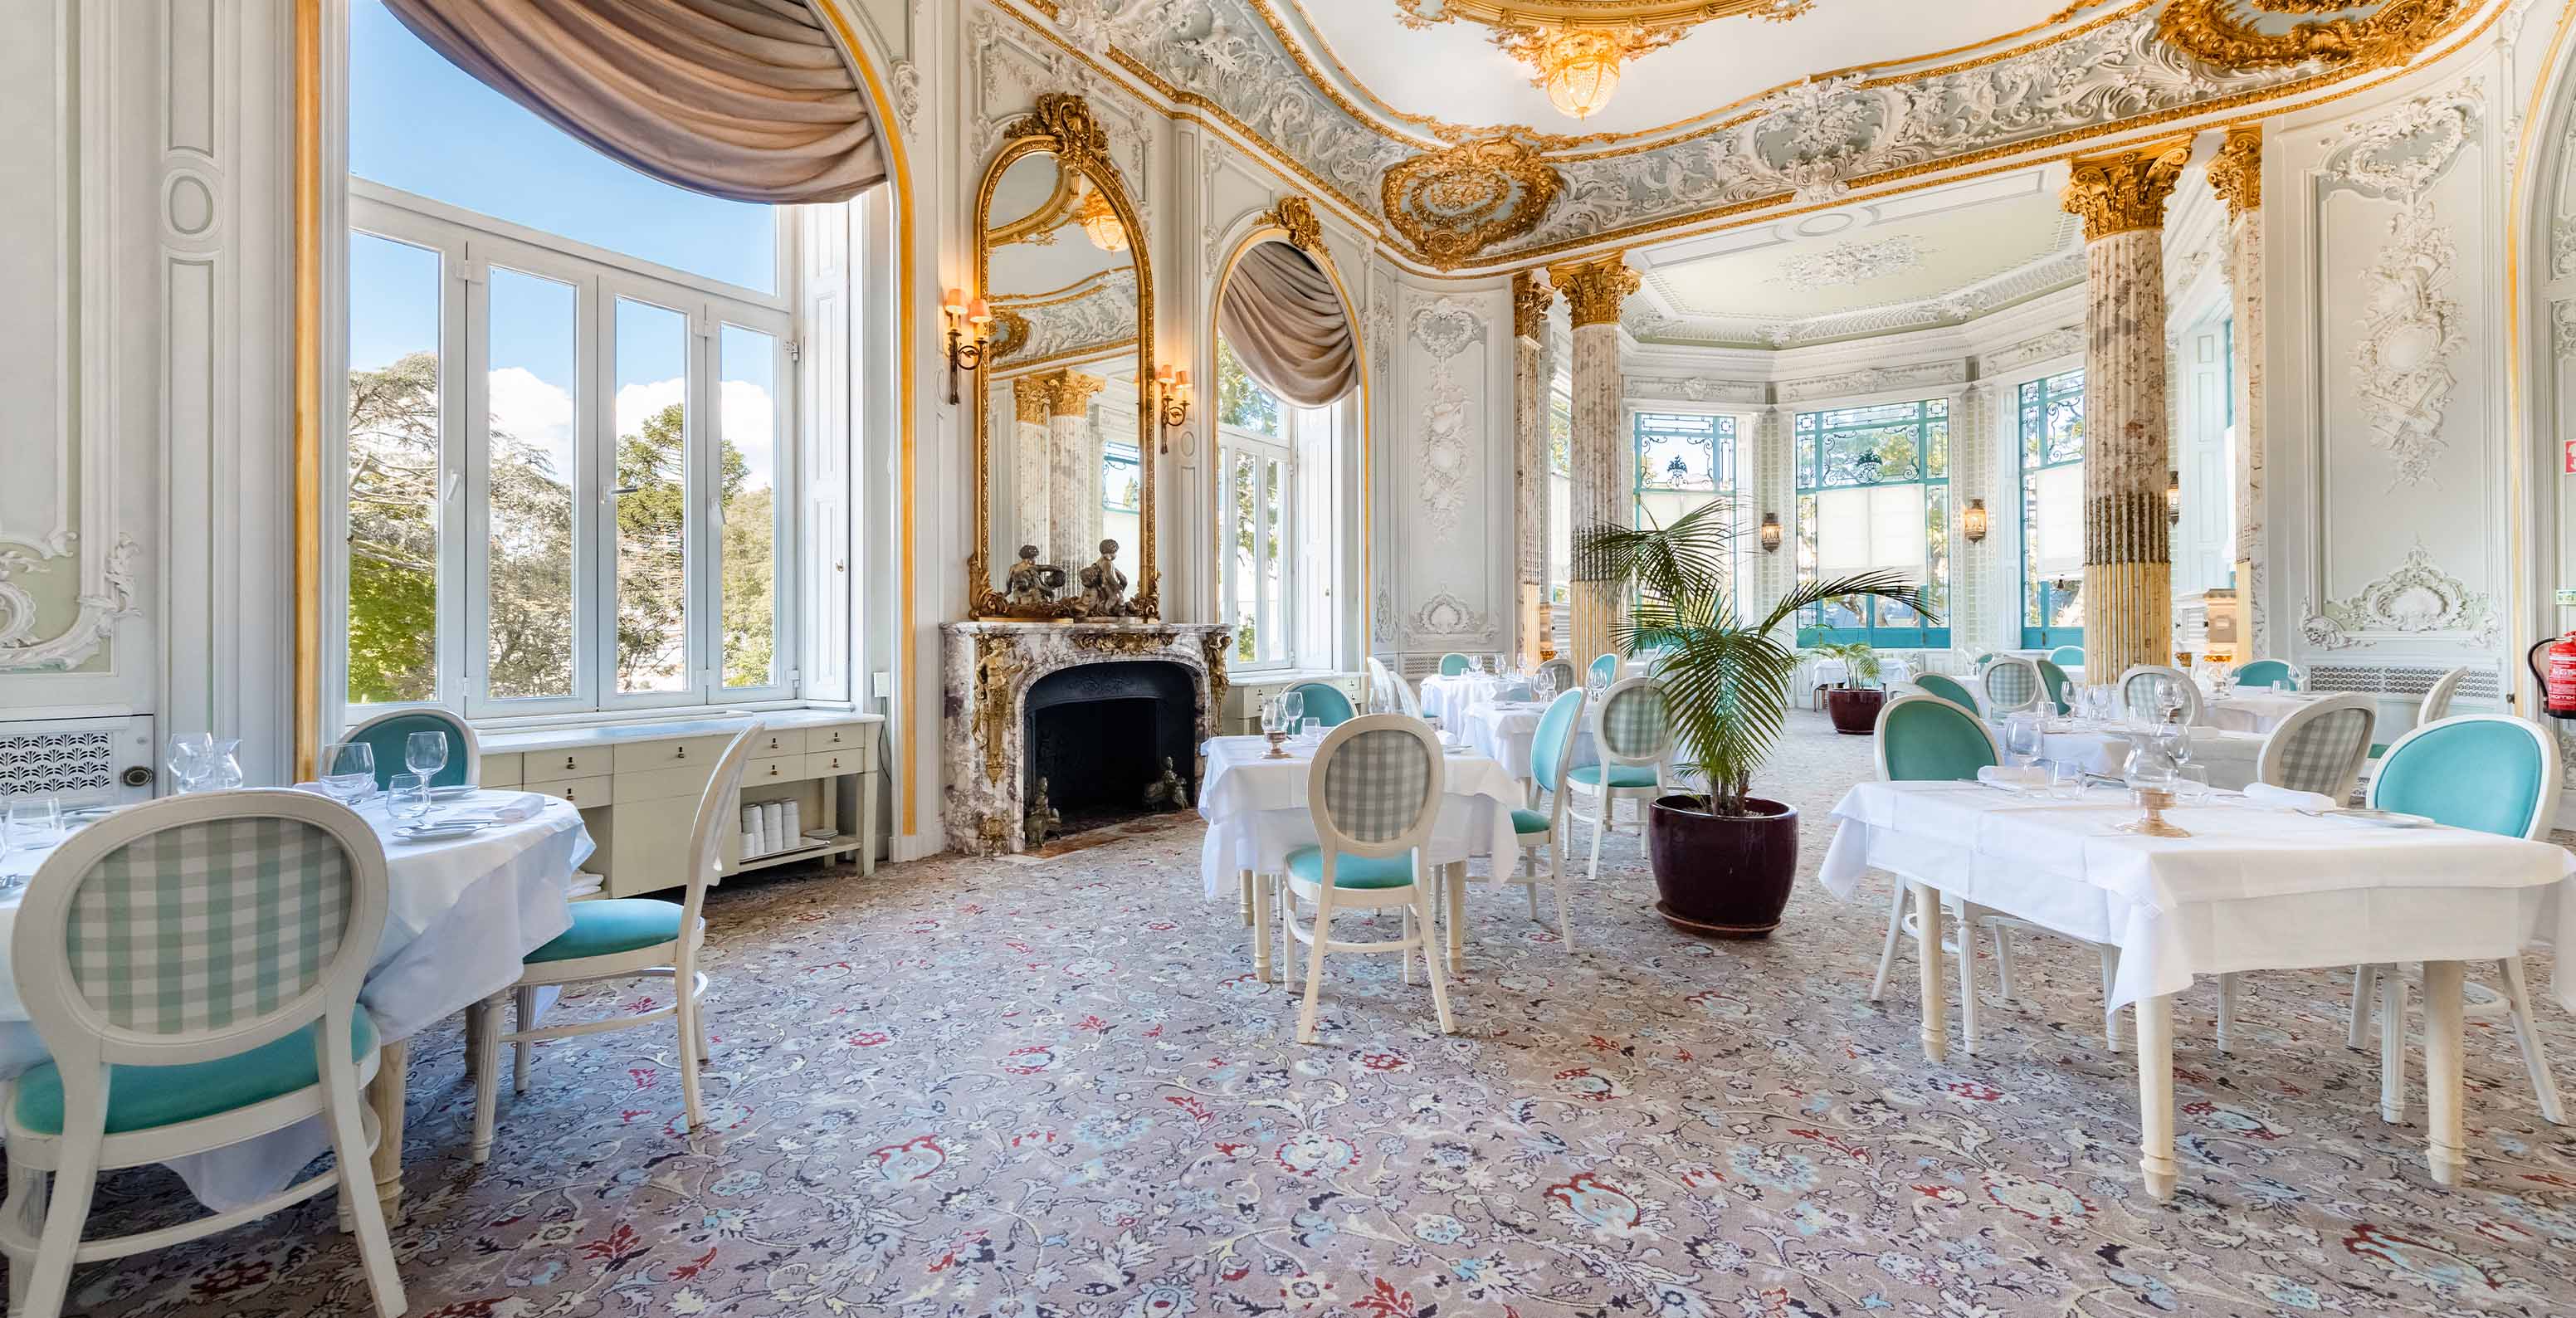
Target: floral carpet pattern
(1053, 1089)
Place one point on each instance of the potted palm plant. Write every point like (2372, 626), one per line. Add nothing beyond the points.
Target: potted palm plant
(1853, 702)
(1723, 859)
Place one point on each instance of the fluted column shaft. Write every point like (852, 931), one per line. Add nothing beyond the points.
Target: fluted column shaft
(1529, 464)
(1032, 467)
(1775, 488)
(2237, 176)
(1603, 463)
(1975, 583)
(1073, 486)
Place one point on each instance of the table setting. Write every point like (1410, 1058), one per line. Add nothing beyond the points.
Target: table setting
(2103, 743)
(1448, 697)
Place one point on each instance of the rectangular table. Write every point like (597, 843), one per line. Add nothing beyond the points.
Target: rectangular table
(2251, 889)
(2251, 711)
(1256, 812)
(462, 916)
(2229, 757)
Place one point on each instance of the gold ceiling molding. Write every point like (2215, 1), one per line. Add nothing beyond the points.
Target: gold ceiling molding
(1595, 290)
(1038, 226)
(2210, 31)
(2236, 172)
(1295, 216)
(1592, 13)
(1530, 301)
(2126, 191)
(1010, 333)
(1455, 203)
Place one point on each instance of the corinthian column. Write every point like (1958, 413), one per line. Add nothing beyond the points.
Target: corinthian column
(1032, 465)
(1530, 300)
(2128, 554)
(1075, 479)
(2236, 175)
(1602, 460)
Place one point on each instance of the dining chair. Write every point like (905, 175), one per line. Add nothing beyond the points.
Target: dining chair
(1604, 668)
(2138, 691)
(2260, 674)
(2067, 656)
(388, 731)
(1373, 794)
(1632, 736)
(192, 966)
(2011, 684)
(1929, 738)
(1325, 703)
(2320, 746)
(1453, 663)
(2496, 774)
(619, 938)
(2057, 684)
(1978, 664)
(1567, 675)
(1551, 756)
(2435, 707)
(1950, 689)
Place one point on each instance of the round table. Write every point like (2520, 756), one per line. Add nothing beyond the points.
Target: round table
(2251, 711)
(1449, 697)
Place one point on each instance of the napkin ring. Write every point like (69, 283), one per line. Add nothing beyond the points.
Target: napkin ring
(2154, 801)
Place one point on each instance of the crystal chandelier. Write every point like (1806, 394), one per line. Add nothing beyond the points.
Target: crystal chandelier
(1580, 70)
(1100, 223)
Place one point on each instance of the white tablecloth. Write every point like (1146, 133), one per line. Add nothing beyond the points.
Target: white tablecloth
(1449, 698)
(2251, 889)
(1256, 811)
(2251, 711)
(461, 918)
(2228, 756)
(1507, 729)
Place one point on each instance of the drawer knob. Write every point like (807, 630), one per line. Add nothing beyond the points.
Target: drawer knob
(567, 761)
(567, 793)
(773, 771)
(682, 753)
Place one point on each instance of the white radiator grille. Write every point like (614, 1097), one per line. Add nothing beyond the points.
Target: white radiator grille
(78, 761)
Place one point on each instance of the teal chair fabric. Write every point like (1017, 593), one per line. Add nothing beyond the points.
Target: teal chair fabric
(388, 736)
(1621, 775)
(1453, 663)
(2067, 656)
(1528, 821)
(1605, 668)
(1325, 703)
(2483, 774)
(2262, 673)
(1949, 689)
(2058, 683)
(148, 1097)
(1985, 659)
(1394, 871)
(1553, 744)
(1924, 740)
(621, 924)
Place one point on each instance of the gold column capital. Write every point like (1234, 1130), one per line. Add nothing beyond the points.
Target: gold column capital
(2125, 190)
(1530, 301)
(2236, 172)
(1068, 392)
(1029, 399)
(1594, 290)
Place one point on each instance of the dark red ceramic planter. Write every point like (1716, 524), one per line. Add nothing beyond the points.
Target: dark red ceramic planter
(1722, 876)
(1854, 709)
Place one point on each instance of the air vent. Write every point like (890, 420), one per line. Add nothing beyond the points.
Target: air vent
(77, 761)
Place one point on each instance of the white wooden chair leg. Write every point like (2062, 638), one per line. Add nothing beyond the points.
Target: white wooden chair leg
(687, 1019)
(2535, 1055)
(2110, 1014)
(49, 1280)
(343, 1111)
(1287, 935)
(1431, 960)
(1315, 964)
(1531, 887)
(2392, 1045)
(1404, 955)
(483, 1022)
(1887, 953)
(523, 1055)
(1556, 880)
(2226, 1011)
(2365, 983)
(26, 1208)
(2003, 960)
(1935, 996)
(1599, 827)
(706, 1055)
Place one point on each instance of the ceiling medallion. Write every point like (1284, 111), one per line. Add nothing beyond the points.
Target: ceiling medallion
(1848, 263)
(2209, 31)
(1576, 49)
(1455, 203)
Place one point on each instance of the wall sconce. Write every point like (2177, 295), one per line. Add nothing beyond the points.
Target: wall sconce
(1770, 533)
(1972, 523)
(970, 327)
(2173, 498)
(1171, 401)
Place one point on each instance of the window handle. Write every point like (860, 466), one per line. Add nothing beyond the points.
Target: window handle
(628, 489)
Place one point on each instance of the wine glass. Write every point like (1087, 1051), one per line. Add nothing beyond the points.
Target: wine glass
(425, 753)
(2022, 738)
(2169, 700)
(1543, 685)
(1292, 707)
(2065, 780)
(190, 759)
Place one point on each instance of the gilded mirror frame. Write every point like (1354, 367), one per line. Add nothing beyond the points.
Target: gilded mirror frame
(1062, 125)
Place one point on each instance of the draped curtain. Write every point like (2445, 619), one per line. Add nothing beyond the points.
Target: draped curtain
(748, 99)
(1285, 321)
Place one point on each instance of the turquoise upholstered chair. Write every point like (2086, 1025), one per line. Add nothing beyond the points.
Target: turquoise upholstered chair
(387, 732)
(1979, 663)
(1923, 738)
(1372, 794)
(2054, 681)
(2262, 673)
(1948, 688)
(1551, 756)
(2067, 656)
(1632, 736)
(1326, 703)
(1604, 668)
(1454, 663)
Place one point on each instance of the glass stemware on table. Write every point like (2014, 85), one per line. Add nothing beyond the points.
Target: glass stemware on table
(407, 796)
(425, 753)
(348, 771)
(200, 762)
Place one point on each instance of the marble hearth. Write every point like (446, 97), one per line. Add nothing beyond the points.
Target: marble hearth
(988, 668)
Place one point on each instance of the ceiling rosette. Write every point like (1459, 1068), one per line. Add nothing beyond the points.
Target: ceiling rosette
(1456, 203)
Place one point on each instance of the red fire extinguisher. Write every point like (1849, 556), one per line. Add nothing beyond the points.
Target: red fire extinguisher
(2558, 677)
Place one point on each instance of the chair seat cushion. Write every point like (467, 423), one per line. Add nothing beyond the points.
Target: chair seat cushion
(1528, 821)
(1352, 871)
(623, 924)
(1621, 775)
(2379, 749)
(147, 1097)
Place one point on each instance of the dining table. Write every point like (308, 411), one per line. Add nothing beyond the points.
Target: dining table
(2244, 887)
(461, 916)
(2230, 758)
(1507, 730)
(1448, 696)
(2252, 711)
(1256, 811)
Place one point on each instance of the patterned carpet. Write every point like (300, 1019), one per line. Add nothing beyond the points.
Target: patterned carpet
(968, 1088)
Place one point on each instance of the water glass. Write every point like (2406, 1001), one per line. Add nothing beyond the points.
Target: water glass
(33, 823)
(2022, 738)
(425, 753)
(347, 758)
(2065, 780)
(2282, 686)
(407, 796)
(2191, 784)
(223, 766)
(190, 759)
(2174, 739)
(1310, 728)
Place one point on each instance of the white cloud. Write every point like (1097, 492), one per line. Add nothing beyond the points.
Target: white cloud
(532, 409)
(750, 416)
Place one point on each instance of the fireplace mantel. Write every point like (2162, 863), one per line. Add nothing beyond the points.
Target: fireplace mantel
(988, 667)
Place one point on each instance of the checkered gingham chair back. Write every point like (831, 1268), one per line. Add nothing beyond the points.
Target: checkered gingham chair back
(1375, 786)
(1635, 727)
(2320, 748)
(2011, 683)
(231, 916)
(2139, 685)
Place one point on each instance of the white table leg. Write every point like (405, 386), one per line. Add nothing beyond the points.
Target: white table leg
(2392, 1044)
(2155, 1096)
(2444, 1125)
(1457, 921)
(1261, 967)
(1936, 995)
(1243, 882)
(385, 1096)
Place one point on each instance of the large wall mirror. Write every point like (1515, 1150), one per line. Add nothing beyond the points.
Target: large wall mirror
(1063, 426)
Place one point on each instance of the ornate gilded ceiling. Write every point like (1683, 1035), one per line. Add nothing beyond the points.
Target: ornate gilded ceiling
(1462, 195)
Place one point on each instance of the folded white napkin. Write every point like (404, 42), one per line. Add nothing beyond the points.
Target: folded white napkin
(2282, 798)
(517, 807)
(2013, 776)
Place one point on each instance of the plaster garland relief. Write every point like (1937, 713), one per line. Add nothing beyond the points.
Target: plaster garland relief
(1444, 328)
(2416, 600)
(22, 648)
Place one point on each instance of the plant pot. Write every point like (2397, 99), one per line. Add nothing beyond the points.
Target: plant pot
(1722, 876)
(1854, 709)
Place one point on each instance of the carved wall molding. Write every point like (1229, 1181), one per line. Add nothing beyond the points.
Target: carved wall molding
(1444, 617)
(1444, 328)
(1935, 376)
(2415, 601)
(1697, 389)
(2212, 32)
(2064, 341)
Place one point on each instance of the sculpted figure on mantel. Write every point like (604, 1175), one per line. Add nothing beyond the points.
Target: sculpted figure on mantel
(1103, 585)
(1033, 582)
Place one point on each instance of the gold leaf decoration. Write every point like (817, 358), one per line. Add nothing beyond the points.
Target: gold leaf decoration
(2236, 172)
(1455, 203)
(1297, 215)
(2127, 190)
(1595, 290)
(1081, 144)
(2211, 32)
(1530, 301)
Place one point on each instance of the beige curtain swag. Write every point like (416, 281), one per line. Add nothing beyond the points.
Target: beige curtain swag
(1283, 318)
(748, 99)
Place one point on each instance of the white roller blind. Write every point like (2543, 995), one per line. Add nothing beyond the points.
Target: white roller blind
(1876, 528)
(2057, 529)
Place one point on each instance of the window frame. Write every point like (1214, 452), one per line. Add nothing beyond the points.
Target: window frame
(469, 245)
(1807, 444)
(1726, 458)
(2026, 604)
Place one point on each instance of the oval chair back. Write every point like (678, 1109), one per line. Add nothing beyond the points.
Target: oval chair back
(1978, 664)
(1634, 725)
(1326, 703)
(2067, 656)
(1604, 669)
(2437, 700)
(1454, 663)
(706, 836)
(2320, 747)
(1552, 747)
(2054, 681)
(388, 731)
(1926, 738)
(2491, 772)
(2262, 673)
(2011, 684)
(2138, 688)
(1568, 677)
(1950, 689)
(1374, 789)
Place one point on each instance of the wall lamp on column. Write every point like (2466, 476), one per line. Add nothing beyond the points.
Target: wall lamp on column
(1171, 401)
(2173, 498)
(1770, 533)
(1972, 523)
(970, 329)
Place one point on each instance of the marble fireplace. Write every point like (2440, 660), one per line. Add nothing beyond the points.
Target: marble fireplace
(991, 669)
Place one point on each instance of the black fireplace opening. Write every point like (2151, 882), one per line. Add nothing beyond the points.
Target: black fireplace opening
(1101, 738)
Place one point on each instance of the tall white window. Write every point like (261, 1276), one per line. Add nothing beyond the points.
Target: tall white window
(1257, 468)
